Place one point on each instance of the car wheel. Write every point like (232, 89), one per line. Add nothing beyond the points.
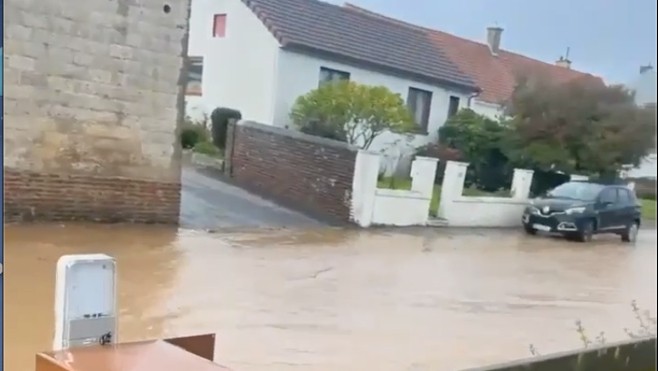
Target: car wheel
(529, 230)
(586, 231)
(630, 233)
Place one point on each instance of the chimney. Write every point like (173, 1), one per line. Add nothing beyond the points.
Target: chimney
(646, 68)
(563, 62)
(493, 39)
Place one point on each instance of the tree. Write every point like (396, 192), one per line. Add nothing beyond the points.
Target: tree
(351, 112)
(578, 127)
(480, 142)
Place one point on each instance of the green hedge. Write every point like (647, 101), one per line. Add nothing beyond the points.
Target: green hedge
(220, 118)
(191, 134)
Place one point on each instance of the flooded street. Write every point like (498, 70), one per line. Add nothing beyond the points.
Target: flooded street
(332, 299)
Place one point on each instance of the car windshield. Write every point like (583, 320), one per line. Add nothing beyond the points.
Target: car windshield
(576, 191)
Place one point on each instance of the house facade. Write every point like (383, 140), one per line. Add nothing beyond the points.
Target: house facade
(258, 56)
(644, 88)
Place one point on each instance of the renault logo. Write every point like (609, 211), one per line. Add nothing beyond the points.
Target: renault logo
(546, 209)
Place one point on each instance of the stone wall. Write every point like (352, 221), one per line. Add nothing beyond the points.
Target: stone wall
(308, 173)
(93, 100)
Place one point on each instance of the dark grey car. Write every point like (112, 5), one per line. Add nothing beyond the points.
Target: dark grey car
(578, 210)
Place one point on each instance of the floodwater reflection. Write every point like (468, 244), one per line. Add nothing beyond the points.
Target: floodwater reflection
(326, 299)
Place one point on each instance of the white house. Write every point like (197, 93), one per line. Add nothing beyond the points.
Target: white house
(258, 56)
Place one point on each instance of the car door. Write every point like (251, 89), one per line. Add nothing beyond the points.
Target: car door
(628, 206)
(608, 209)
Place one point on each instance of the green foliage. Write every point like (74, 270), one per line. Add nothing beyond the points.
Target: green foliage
(443, 153)
(220, 118)
(192, 133)
(578, 127)
(481, 142)
(351, 112)
(207, 148)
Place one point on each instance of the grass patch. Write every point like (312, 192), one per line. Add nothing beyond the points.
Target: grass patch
(207, 148)
(648, 209)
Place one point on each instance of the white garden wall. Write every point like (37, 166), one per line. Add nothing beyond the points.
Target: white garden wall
(464, 211)
(374, 206)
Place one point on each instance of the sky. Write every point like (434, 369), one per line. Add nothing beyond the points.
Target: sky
(608, 38)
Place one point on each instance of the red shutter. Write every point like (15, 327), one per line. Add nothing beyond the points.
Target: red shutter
(219, 25)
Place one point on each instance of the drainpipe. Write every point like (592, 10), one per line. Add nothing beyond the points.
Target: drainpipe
(470, 98)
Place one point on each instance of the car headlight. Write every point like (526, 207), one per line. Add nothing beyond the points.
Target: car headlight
(575, 210)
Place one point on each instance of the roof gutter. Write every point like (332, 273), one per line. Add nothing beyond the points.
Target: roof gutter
(379, 67)
(471, 97)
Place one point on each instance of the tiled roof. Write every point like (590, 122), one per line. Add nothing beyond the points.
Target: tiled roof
(312, 25)
(497, 76)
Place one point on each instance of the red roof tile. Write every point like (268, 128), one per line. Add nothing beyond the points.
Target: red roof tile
(337, 32)
(496, 76)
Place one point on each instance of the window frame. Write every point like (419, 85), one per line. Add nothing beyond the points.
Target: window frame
(222, 34)
(194, 91)
(414, 93)
(452, 110)
(332, 73)
(613, 191)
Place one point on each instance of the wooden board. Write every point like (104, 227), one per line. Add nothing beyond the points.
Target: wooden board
(141, 356)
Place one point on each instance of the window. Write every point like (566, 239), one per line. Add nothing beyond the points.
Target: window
(419, 102)
(219, 25)
(453, 107)
(329, 75)
(194, 75)
(608, 196)
(576, 191)
(626, 197)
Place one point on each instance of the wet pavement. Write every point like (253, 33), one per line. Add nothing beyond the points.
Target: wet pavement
(331, 299)
(209, 203)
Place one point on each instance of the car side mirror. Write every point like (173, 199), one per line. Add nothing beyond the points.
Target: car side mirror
(603, 204)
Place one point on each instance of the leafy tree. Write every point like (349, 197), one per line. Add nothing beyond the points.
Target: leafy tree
(578, 127)
(351, 112)
(480, 141)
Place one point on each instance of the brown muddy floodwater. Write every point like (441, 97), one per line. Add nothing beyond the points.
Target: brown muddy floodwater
(332, 299)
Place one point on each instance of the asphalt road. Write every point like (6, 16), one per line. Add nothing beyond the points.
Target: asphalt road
(209, 203)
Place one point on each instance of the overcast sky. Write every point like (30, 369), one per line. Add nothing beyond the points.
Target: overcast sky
(609, 38)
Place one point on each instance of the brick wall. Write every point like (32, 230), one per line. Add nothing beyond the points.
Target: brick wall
(308, 173)
(60, 197)
(93, 99)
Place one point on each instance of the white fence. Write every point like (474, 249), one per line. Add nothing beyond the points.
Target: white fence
(374, 206)
(466, 211)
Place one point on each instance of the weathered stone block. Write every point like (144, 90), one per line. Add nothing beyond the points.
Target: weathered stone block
(84, 100)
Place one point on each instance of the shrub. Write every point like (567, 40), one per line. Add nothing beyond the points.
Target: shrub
(351, 112)
(481, 142)
(443, 153)
(207, 148)
(193, 133)
(220, 118)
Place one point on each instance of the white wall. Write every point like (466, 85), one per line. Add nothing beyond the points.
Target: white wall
(194, 107)
(490, 110)
(374, 206)
(238, 69)
(300, 74)
(463, 211)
